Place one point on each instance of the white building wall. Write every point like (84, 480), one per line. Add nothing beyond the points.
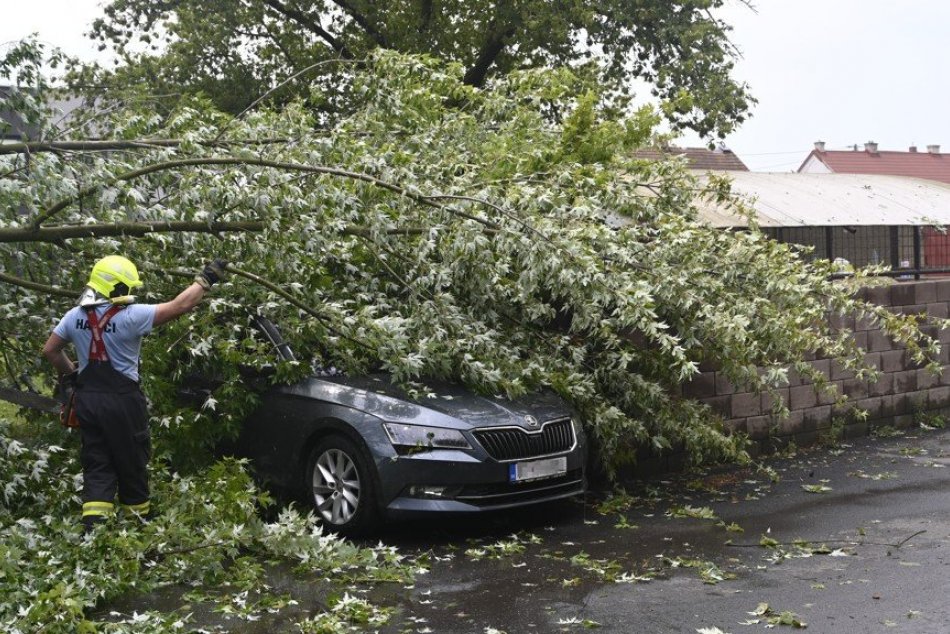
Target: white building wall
(814, 166)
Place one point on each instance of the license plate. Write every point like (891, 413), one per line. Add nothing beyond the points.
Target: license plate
(537, 469)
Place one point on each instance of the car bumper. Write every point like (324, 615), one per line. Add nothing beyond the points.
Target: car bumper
(470, 485)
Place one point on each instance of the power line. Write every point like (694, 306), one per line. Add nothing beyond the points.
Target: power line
(773, 153)
(774, 165)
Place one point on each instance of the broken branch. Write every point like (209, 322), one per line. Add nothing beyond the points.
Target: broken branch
(66, 232)
(193, 162)
(35, 286)
(104, 145)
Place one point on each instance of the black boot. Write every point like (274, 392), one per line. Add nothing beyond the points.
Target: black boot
(89, 522)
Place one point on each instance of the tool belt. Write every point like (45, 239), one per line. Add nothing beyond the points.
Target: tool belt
(67, 411)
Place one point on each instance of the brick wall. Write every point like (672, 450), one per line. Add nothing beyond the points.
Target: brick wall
(903, 390)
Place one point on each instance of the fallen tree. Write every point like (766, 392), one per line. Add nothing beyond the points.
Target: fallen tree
(440, 231)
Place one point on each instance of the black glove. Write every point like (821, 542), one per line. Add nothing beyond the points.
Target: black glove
(213, 273)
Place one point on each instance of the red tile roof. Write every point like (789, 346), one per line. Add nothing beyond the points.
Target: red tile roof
(698, 158)
(935, 167)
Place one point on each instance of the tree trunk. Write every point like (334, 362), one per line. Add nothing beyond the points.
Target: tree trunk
(491, 49)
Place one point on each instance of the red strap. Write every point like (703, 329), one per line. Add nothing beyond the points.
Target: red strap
(97, 347)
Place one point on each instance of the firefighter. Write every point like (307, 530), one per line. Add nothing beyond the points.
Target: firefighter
(106, 328)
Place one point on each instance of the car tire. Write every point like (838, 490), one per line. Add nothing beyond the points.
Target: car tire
(340, 486)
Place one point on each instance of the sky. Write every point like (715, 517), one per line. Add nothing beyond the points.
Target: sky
(844, 72)
(841, 71)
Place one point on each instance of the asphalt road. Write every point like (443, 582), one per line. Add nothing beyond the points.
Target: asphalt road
(856, 539)
(875, 555)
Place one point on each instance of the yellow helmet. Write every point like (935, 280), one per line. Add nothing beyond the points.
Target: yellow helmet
(114, 277)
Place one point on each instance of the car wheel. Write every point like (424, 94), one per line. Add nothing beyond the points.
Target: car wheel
(340, 486)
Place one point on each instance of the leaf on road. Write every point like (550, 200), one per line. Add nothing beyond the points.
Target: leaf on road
(732, 527)
(760, 610)
(702, 512)
(585, 623)
(774, 618)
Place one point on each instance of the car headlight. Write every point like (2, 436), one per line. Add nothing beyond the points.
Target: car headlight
(425, 437)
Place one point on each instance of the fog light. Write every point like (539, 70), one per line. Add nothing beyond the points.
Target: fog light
(427, 492)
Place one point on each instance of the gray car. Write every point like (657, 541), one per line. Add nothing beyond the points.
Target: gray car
(361, 450)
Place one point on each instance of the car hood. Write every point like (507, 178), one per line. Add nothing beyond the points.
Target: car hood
(451, 406)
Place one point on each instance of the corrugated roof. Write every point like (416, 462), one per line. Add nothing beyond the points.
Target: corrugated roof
(932, 166)
(698, 158)
(796, 200)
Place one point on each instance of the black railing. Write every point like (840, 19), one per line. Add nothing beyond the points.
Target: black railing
(909, 251)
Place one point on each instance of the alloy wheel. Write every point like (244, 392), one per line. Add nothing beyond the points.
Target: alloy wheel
(336, 486)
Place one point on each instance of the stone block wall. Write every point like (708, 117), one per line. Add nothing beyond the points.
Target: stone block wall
(904, 390)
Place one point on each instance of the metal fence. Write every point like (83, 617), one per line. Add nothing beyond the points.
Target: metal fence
(911, 251)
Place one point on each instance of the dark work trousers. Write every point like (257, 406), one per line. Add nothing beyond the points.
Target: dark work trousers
(116, 445)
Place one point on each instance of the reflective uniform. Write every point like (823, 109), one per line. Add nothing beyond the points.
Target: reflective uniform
(110, 405)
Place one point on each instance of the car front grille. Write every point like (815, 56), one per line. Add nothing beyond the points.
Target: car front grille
(513, 443)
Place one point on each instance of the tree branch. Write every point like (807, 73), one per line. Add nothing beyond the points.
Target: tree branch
(9, 366)
(303, 71)
(296, 302)
(103, 145)
(313, 169)
(66, 232)
(364, 23)
(365, 232)
(425, 17)
(524, 224)
(311, 25)
(492, 47)
(275, 40)
(57, 233)
(29, 400)
(35, 286)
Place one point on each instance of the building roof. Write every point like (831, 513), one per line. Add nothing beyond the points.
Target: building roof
(930, 165)
(796, 200)
(698, 158)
